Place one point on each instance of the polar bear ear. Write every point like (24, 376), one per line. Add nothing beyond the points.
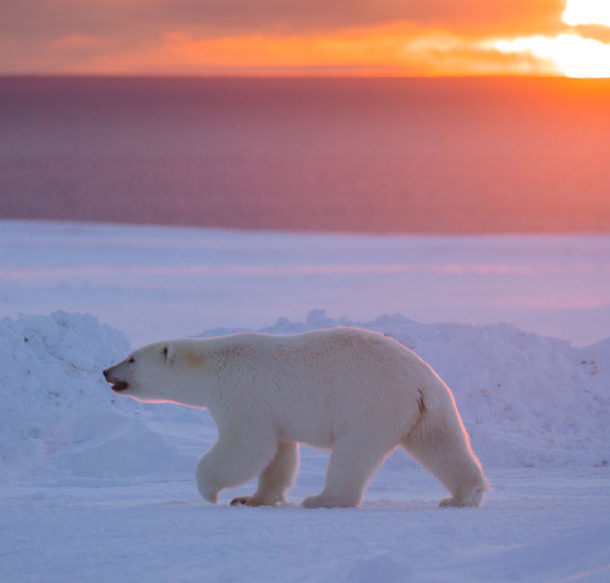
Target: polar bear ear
(169, 354)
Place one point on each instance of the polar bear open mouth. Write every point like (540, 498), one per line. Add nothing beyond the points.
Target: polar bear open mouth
(120, 386)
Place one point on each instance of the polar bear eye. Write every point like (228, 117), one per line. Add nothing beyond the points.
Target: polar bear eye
(164, 351)
(131, 360)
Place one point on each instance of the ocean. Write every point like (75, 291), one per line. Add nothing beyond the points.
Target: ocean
(480, 155)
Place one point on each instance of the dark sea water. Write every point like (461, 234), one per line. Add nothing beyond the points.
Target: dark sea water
(376, 155)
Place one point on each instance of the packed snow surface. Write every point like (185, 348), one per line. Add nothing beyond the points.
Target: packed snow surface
(96, 487)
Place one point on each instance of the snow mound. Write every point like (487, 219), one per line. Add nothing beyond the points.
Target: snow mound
(58, 413)
(526, 400)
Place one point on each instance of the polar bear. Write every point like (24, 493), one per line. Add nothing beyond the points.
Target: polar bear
(356, 392)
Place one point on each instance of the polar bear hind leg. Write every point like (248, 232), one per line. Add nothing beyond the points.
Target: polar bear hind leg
(276, 479)
(440, 443)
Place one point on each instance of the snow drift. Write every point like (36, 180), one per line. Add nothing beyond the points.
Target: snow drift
(58, 415)
(526, 400)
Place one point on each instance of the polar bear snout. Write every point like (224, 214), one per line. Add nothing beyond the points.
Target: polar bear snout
(117, 384)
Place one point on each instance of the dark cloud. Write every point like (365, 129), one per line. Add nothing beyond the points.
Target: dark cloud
(224, 17)
(307, 16)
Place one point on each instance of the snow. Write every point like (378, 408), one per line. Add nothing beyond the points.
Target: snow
(157, 282)
(96, 487)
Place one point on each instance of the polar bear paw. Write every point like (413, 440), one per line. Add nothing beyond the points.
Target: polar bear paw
(475, 498)
(257, 501)
(448, 502)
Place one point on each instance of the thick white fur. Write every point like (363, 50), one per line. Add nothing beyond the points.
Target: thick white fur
(353, 391)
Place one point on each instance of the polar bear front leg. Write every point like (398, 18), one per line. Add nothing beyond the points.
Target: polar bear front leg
(276, 479)
(234, 459)
(352, 464)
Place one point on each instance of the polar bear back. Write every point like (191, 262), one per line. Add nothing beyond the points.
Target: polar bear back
(315, 386)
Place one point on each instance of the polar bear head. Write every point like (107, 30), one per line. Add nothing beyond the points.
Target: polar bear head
(158, 372)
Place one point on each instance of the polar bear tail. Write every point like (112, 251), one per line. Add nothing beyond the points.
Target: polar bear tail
(440, 443)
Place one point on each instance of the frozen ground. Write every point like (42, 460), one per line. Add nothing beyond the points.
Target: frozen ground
(154, 282)
(539, 526)
(98, 488)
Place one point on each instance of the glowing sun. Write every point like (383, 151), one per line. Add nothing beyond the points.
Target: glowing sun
(569, 54)
(587, 12)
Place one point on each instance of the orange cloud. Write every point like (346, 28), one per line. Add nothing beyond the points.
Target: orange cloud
(395, 50)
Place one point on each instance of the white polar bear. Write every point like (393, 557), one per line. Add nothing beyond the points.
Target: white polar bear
(356, 392)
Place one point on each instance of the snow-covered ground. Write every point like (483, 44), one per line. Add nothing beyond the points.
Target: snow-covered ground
(100, 488)
(154, 282)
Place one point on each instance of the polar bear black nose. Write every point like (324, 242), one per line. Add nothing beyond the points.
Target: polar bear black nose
(106, 373)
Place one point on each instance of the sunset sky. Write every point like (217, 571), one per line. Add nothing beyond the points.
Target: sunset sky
(309, 37)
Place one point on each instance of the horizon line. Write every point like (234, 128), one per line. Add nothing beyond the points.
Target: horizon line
(295, 75)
